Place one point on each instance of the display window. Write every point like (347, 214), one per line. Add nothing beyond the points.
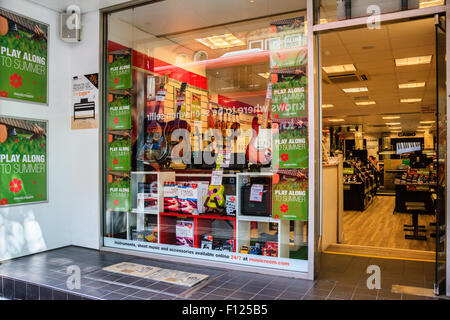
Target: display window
(206, 133)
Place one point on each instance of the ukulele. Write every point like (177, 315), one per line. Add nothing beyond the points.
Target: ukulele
(176, 124)
(21, 23)
(256, 153)
(19, 124)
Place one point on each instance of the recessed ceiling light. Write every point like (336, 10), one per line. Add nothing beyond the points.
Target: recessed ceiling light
(424, 127)
(323, 20)
(336, 120)
(427, 122)
(430, 3)
(339, 68)
(265, 75)
(365, 103)
(391, 118)
(413, 61)
(393, 123)
(326, 106)
(221, 41)
(396, 131)
(411, 100)
(395, 128)
(411, 85)
(355, 90)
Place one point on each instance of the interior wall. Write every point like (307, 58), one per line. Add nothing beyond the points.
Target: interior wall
(71, 216)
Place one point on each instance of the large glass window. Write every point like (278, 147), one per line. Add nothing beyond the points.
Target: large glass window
(337, 10)
(207, 131)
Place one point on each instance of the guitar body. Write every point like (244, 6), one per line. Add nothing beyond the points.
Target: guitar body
(254, 154)
(3, 26)
(157, 142)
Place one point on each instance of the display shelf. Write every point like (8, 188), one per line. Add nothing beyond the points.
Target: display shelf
(258, 219)
(198, 216)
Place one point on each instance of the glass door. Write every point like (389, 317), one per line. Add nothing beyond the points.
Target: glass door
(441, 188)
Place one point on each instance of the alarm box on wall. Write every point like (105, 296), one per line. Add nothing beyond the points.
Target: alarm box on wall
(69, 31)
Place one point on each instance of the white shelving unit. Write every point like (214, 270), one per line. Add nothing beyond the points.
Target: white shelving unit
(244, 221)
(137, 217)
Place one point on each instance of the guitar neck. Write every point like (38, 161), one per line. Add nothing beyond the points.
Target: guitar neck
(16, 123)
(267, 103)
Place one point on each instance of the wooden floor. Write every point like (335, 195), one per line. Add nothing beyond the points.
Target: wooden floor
(378, 227)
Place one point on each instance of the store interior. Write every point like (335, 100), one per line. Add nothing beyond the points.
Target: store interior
(379, 106)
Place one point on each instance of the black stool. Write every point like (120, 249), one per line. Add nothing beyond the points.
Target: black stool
(415, 208)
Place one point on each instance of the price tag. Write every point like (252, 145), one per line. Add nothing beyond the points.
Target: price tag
(256, 192)
(216, 179)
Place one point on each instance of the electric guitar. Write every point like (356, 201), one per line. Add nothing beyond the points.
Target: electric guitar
(255, 153)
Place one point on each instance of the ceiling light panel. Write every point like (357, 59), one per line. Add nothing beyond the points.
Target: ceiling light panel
(411, 85)
(227, 40)
(391, 118)
(355, 90)
(411, 61)
(413, 100)
(339, 68)
(365, 103)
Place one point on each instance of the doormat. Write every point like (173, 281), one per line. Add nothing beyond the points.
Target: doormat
(157, 274)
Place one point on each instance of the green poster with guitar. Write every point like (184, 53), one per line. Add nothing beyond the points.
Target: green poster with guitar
(119, 193)
(290, 143)
(120, 70)
(119, 152)
(23, 161)
(119, 112)
(290, 195)
(23, 58)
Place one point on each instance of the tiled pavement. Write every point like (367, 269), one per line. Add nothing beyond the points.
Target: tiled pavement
(43, 276)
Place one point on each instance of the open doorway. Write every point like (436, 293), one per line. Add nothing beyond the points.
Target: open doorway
(380, 140)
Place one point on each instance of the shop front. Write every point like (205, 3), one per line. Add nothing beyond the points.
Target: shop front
(206, 130)
(213, 122)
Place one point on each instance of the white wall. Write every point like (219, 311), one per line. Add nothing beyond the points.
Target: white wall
(72, 214)
(84, 144)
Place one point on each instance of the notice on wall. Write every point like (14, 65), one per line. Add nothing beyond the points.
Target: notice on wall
(119, 152)
(290, 144)
(120, 70)
(119, 111)
(84, 102)
(290, 195)
(23, 161)
(23, 58)
(196, 107)
(119, 198)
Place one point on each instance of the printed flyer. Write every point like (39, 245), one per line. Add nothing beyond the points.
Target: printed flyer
(288, 43)
(120, 71)
(290, 195)
(119, 112)
(289, 99)
(119, 193)
(84, 102)
(23, 58)
(23, 161)
(119, 152)
(290, 144)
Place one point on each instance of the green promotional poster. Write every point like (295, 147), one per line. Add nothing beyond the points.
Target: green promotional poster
(290, 144)
(119, 153)
(196, 107)
(119, 193)
(287, 43)
(290, 195)
(120, 68)
(119, 113)
(23, 58)
(289, 99)
(23, 161)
